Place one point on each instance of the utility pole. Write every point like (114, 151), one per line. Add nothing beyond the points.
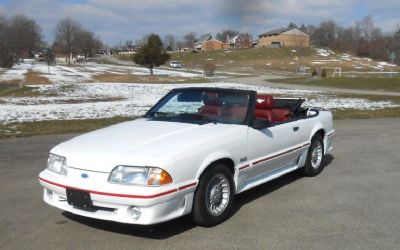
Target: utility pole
(392, 57)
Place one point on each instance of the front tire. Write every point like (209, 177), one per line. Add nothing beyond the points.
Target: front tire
(213, 199)
(315, 157)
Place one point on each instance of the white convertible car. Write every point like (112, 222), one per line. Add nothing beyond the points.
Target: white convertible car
(191, 153)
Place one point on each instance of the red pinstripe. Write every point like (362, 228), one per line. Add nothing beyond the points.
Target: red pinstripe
(274, 156)
(122, 195)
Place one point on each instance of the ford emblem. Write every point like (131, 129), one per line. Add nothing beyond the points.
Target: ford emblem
(84, 175)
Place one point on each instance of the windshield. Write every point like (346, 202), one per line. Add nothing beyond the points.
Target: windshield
(203, 106)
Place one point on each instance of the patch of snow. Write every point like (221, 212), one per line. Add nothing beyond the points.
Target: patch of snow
(83, 72)
(386, 64)
(137, 99)
(322, 52)
(349, 103)
(328, 60)
(346, 57)
(377, 67)
(17, 72)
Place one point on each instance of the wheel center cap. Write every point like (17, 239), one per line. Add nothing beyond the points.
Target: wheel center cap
(215, 195)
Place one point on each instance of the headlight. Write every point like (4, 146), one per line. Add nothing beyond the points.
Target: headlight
(141, 176)
(57, 164)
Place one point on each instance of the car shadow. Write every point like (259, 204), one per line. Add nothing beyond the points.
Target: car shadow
(177, 226)
(271, 186)
(158, 231)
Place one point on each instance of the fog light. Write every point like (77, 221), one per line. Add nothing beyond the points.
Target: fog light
(135, 212)
(49, 193)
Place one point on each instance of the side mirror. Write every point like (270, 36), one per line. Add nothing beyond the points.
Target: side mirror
(261, 123)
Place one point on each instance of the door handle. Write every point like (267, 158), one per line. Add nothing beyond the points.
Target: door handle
(295, 129)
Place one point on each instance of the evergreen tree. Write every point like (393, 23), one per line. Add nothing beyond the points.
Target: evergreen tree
(151, 54)
(49, 57)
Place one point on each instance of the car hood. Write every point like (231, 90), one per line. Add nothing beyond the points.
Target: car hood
(135, 143)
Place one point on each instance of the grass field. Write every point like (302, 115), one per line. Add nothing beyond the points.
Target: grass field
(24, 129)
(364, 83)
(56, 127)
(262, 60)
(244, 60)
(18, 91)
(129, 78)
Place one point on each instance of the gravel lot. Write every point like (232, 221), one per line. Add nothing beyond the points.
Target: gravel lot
(353, 204)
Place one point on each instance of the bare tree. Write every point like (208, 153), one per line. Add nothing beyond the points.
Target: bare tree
(376, 34)
(222, 36)
(19, 37)
(143, 41)
(25, 34)
(87, 44)
(367, 26)
(325, 33)
(67, 32)
(362, 39)
(356, 35)
(190, 39)
(6, 54)
(169, 42)
(397, 32)
(128, 43)
(310, 29)
(395, 44)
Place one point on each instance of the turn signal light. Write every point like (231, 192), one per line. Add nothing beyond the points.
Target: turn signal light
(158, 177)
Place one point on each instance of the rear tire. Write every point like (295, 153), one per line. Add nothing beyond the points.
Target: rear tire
(213, 199)
(315, 157)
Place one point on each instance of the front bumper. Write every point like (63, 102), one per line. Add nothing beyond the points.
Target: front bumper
(115, 202)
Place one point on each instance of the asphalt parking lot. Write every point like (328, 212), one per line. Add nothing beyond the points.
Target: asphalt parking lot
(353, 204)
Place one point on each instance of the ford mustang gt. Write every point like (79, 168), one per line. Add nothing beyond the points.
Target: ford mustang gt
(189, 154)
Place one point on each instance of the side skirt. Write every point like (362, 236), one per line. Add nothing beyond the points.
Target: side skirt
(274, 174)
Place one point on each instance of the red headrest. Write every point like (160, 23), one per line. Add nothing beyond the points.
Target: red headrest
(211, 99)
(264, 101)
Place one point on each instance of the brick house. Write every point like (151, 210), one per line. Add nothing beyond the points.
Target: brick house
(285, 37)
(214, 44)
(207, 43)
(241, 41)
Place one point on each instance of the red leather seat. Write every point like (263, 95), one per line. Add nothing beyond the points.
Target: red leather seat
(212, 106)
(264, 106)
(280, 115)
(265, 109)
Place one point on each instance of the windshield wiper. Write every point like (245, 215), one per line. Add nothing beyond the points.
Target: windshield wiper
(203, 117)
(196, 117)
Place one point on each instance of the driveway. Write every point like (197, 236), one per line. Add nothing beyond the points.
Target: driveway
(353, 204)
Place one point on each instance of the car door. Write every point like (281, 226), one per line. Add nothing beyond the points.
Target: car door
(272, 148)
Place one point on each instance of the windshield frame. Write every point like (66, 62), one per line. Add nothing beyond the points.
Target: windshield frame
(173, 92)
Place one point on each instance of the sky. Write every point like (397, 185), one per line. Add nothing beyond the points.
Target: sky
(115, 20)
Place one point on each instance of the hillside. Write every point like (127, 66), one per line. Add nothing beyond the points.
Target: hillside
(260, 60)
(263, 60)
